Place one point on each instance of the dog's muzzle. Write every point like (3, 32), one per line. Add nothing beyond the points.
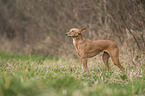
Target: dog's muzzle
(66, 34)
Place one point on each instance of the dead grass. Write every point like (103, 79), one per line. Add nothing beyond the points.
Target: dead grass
(43, 76)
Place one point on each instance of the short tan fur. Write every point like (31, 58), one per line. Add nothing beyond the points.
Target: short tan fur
(88, 48)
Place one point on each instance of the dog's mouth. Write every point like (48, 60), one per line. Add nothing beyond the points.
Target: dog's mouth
(70, 35)
(67, 35)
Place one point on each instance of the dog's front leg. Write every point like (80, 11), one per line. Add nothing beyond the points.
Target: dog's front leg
(85, 68)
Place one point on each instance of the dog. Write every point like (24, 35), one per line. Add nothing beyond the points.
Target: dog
(88, 48)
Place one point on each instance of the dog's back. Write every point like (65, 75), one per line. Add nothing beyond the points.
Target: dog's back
(88, 48)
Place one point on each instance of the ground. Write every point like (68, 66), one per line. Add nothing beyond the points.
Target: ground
(22, 75)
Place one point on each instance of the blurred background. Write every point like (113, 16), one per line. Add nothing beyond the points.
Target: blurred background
(38, 27)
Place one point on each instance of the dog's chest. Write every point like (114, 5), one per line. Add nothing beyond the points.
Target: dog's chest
(75, 44)
(79, 48)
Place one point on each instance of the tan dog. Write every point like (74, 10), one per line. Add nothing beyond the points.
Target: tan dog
(88, 48)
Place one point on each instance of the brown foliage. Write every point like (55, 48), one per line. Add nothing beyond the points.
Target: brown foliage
(39, 26)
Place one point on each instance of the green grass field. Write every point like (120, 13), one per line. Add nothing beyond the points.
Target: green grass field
(45, 76)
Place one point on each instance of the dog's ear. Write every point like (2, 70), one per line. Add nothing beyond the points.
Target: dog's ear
(83, 30)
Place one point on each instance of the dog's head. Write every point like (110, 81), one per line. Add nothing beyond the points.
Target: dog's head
(74, 32)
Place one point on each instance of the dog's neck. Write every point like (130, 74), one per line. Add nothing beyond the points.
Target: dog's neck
(78, 40)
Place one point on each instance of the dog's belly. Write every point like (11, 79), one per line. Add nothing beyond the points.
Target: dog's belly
(92, 54)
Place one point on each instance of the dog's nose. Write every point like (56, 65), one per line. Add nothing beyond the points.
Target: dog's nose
(66, 34)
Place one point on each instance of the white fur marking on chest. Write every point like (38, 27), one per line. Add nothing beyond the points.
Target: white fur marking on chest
(74, 42)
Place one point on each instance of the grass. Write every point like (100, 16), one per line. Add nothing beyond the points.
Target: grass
(44, 76)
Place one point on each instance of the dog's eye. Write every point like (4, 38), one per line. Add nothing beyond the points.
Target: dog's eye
(72, 30)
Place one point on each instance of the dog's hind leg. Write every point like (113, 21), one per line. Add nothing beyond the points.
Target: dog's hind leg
(115, 58)
(105, 58)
